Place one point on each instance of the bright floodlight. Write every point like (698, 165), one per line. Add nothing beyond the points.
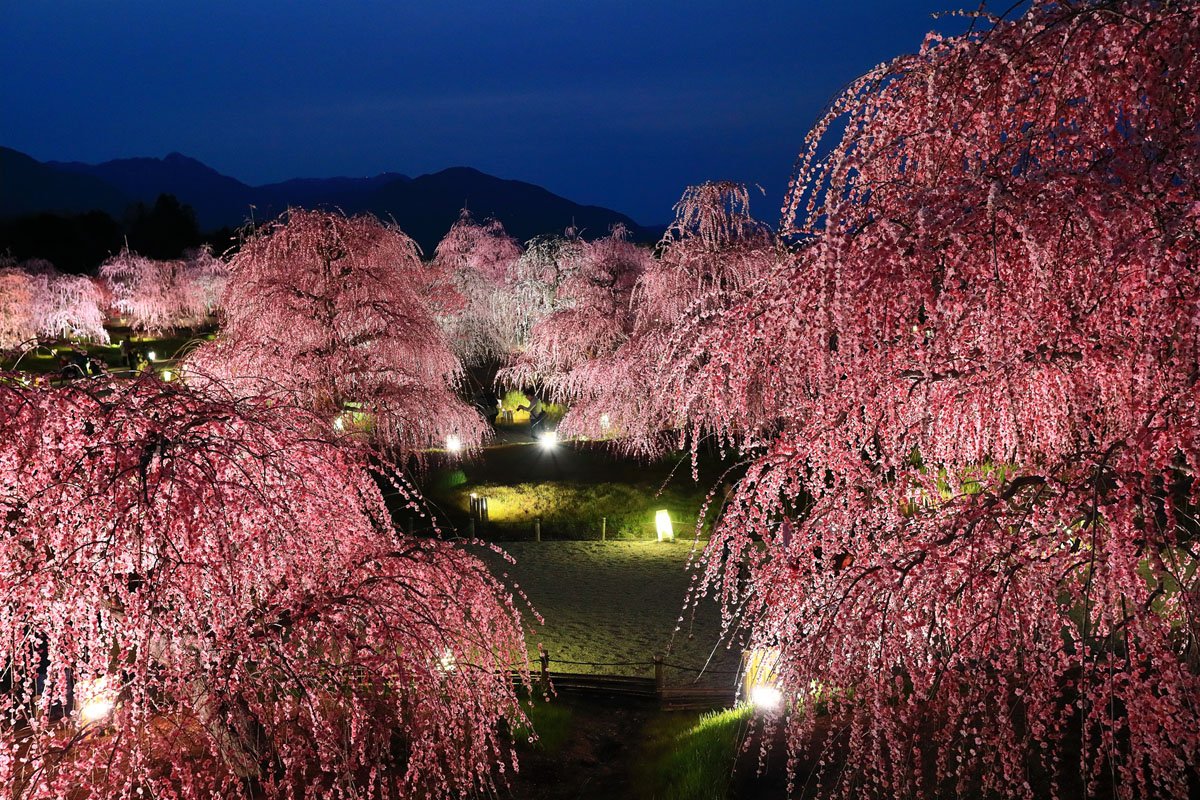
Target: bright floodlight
(548, 439)
(167, 375)
(453, 444)
(766, 698)
(151, 355)
(97, 701)
(605, 422)
(662, 521)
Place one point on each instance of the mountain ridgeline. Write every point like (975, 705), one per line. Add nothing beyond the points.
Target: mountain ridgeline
(425, 206)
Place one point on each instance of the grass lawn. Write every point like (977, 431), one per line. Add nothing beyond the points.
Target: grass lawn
(689, 757)
(615, 603)
(570, 487)
(166, 350)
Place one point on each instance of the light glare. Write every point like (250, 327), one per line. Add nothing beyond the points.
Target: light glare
(662, 521)
(766, 698)
(97, 701)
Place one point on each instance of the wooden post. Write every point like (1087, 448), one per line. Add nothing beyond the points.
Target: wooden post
(537, 529)
(483, 511)
(471, 527)
(603, 528)
(659, 679)
(544, 658)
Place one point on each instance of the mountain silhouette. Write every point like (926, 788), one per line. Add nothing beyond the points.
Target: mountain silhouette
(28, 186)
(425, 206)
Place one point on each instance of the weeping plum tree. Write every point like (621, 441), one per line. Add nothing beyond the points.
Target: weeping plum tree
(538, 276)
(204, 597)
(143, 291)
(479, 257)
(19, 298)
(36, 301)
(591, 317)
(713, 254)
(200, 282)
(970, 525)
(618, 311)
(334, 313)
(73, 309)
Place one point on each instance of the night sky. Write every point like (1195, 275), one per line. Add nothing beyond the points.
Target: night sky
(619, 104)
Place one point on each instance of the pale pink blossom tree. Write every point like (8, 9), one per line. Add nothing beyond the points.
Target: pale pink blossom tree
(72, 308)
(339, 315)
(480, 257)
(20, 298)
(538, 276)
(204, 597)
(968, 527)
(200, 282)
(591, 317)
(615, 323)
(143, 291)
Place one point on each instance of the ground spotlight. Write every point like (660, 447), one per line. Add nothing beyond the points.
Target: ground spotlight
(766, 698)
(662, 522)
(97, 700)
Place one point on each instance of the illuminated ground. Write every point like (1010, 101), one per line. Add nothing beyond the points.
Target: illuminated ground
(617, 602)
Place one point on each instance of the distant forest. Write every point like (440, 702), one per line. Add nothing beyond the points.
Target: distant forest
(79, 243)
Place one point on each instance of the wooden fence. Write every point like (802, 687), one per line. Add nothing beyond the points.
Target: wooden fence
(632, 688)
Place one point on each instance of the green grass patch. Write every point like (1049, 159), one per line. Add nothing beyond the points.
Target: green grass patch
(575, 510)
(693, 758)
(166, 349)
(551, 722)
(511, 402)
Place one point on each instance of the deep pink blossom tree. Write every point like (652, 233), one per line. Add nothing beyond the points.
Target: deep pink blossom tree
(339, 315)
(204, 597)
(479, 257)
(971, 401)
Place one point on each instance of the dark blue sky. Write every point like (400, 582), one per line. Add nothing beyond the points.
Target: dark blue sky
(615, 103)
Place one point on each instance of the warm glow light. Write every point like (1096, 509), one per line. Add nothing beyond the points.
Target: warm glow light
(605, 422)
(167, 375)
(548, 439)
(447, 663)
(453, 444)
(766, 698)
(662, 521)
(150, 354)
(339, 422)
(97, 700)
(760, 679)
